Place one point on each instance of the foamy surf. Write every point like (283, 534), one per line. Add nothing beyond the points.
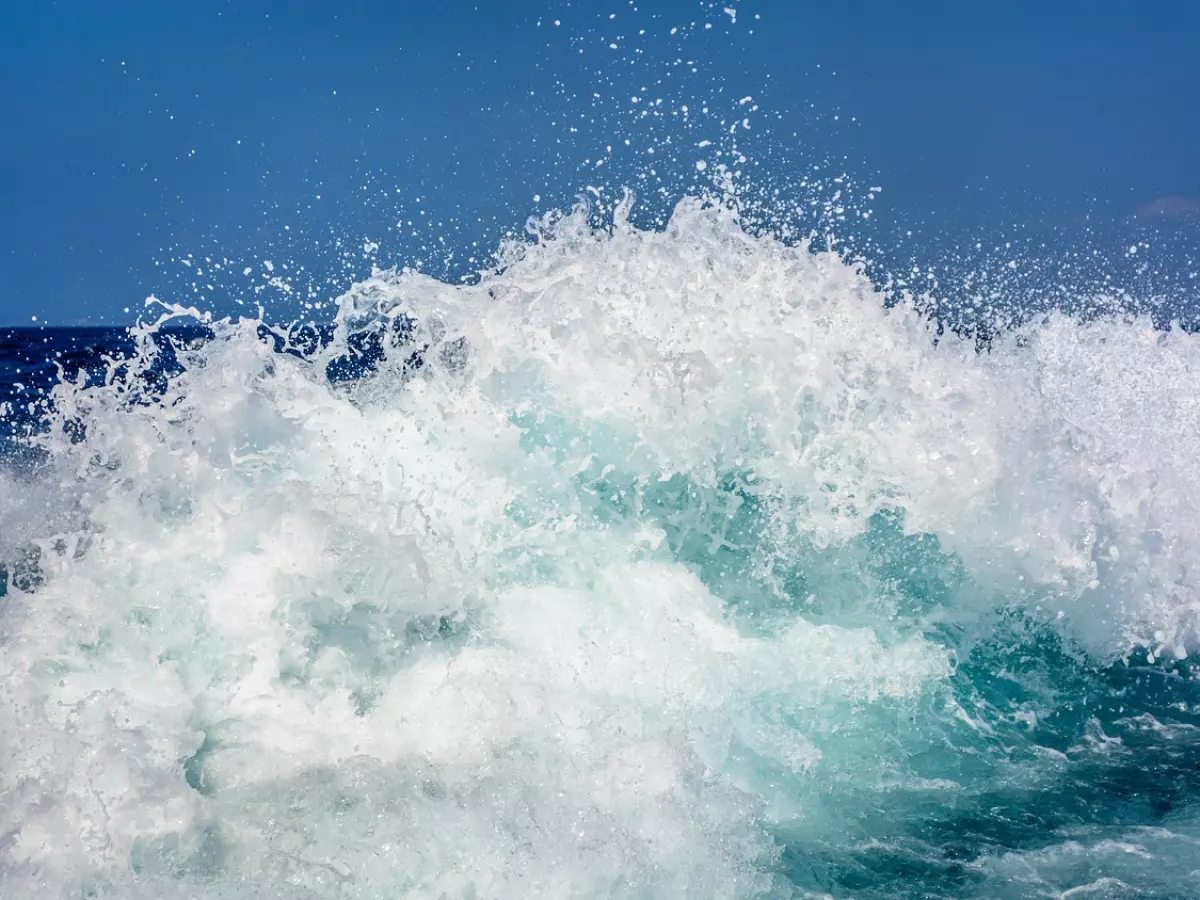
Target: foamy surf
(653, 564)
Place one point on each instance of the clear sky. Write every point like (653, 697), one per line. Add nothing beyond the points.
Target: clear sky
(136, 133)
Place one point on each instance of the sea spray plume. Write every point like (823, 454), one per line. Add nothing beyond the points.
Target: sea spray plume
(670, 578)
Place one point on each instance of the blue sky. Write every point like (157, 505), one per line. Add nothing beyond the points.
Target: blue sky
(139, 133)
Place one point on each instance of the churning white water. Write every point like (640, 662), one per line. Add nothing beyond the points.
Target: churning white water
(646, 566)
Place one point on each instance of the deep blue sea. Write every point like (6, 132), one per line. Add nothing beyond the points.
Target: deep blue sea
(656, 564)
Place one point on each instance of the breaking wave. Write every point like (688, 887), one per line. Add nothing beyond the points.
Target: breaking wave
(653, 563)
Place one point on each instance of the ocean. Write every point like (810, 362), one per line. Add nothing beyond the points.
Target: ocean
(652, 564)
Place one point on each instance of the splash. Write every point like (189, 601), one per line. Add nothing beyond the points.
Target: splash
(650, 564)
